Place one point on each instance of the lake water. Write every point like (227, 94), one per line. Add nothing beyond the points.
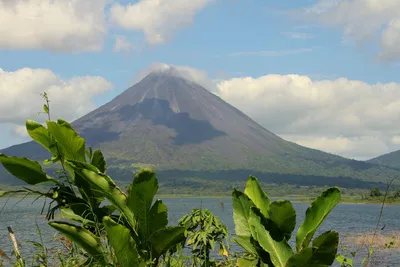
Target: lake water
(22, 216)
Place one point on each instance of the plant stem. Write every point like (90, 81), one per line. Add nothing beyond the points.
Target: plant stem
(379, 220)
(15, 244)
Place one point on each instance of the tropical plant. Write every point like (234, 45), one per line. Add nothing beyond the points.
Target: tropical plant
(263, 229)
(140, 235)
(73, 196)
(345, 259)
(134, 226)
(204, 231)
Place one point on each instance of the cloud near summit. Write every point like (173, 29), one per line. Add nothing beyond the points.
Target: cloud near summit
(198, 76)
(351, 118)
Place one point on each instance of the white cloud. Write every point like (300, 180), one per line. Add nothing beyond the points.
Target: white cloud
(361, 148)
(364, 20)
(269, 53)
(62, 25)
(122, 44)
(159, 19)
(69, 98)
(200, 77)
(348, 117)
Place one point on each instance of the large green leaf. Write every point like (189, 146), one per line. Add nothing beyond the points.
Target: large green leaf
(26, 170)
(315, 215)
(104, 186)
(83, 238)
(122, 242)
(99, 161)
(242, 262)
(245, 242)
(158, 217)
(87, 190)
(70, 144)
(241, 209)
(303, 259)
(327, 246)
(165, 239)
(69, 214)
(283, 215)
(257, 195)
(279, 251)
(85, 187)
(322, 252)
(140, 197)
(41, 135)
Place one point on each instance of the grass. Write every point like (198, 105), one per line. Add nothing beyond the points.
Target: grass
(376, 247)
(66, 254)
(381, 240)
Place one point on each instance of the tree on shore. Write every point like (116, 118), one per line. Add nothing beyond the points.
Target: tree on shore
(375, 192)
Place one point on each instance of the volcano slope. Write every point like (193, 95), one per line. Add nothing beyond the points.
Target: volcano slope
(180, 129)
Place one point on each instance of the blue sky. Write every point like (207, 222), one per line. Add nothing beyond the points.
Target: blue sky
(345, 76)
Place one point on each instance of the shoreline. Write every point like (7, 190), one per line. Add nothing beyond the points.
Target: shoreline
(291, 198)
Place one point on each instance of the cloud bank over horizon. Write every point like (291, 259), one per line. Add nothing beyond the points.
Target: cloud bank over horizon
(69, 98)
(351, 118)
(346, 117)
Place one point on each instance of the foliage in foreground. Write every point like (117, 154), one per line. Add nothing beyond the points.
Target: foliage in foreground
(263, 229)
(132, 225)
(133, 231)
(204, 231)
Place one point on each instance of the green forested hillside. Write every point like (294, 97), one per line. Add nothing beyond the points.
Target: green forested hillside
(391, 159)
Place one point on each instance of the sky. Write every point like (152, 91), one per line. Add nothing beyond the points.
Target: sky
(323, 74)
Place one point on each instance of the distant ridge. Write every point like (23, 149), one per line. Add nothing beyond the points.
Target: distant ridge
(391, 159)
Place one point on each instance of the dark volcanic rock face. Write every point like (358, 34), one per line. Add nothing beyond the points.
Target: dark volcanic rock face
(159, 112)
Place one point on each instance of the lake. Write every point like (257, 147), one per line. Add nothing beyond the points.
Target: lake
(22, 215)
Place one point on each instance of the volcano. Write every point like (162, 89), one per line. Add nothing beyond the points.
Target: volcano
(179, 128)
